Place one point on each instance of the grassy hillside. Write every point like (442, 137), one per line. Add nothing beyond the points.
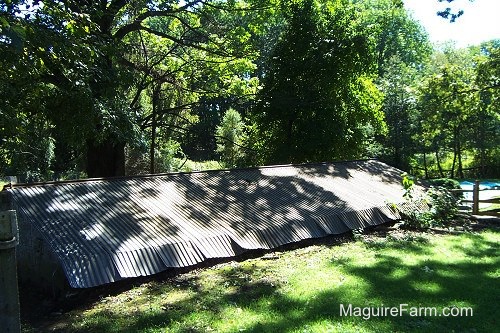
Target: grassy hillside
(302, 290)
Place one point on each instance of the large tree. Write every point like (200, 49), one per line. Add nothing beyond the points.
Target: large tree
(402, 50)
(395, 33)
(318, 97)
(448, 102)
(75, 60)
(485, 132)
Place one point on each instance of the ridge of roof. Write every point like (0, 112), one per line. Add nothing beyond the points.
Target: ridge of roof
(147, 176)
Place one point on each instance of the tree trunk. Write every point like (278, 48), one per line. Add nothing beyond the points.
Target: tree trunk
(425, 167)
(452, 171)
(459, 155)
(397, 157)
(156, 97)
(482, 170)
(481, 139)
(153, 144)
(440, 168)
(288, 151)
(106, 158)
(452, 175)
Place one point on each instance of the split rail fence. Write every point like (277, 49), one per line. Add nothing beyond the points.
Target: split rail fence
(476, 201)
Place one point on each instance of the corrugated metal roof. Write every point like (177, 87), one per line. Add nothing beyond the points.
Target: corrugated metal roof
(105, 230)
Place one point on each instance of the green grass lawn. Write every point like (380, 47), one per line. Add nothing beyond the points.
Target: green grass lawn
(301, 290)
(493, 208)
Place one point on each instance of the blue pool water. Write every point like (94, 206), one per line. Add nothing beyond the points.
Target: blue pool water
(483, 185)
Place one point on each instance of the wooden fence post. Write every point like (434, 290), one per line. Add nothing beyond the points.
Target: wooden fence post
(9, 293)
(475, 198)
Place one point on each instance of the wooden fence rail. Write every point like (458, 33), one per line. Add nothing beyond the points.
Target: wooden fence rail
(475, 198)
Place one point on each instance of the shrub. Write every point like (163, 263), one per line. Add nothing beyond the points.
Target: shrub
(417, 220)
(443, 205)
(447, 183)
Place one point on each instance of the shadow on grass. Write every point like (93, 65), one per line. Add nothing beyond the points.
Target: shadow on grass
(468, 279)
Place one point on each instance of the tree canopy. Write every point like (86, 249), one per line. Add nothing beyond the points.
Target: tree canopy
(318, 95)
(114, 87)
(86, 66)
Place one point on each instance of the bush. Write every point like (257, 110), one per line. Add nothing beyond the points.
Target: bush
(443, 205)
(417, 220)
(447, 183)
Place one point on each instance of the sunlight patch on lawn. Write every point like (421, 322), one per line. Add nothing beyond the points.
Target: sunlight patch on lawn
(427, 287)
(301, 290)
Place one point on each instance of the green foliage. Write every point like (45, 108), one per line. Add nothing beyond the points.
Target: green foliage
(449, 14)
(446, 183)
(313, 80)
(453, 111)
(443, 205)
(27, 148)
(87, 69)
(401, 48)
(485, 132)
(166, 157)
(399, 106)
(230, 137)
(189, 166)
(417, 220)
(395, 34)
(408, 182)
(318, 95)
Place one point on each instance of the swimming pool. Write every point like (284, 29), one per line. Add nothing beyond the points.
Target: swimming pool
(483, 184)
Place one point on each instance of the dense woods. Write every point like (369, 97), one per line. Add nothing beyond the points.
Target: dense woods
(115, 87)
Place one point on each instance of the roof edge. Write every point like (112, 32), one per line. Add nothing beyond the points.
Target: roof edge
(146, 176)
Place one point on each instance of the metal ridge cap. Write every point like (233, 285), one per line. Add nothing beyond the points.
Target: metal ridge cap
(179, 173)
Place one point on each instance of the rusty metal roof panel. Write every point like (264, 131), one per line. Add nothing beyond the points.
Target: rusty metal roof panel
(104, 230)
